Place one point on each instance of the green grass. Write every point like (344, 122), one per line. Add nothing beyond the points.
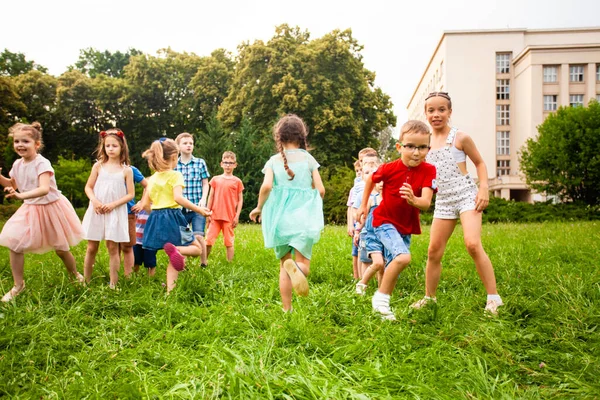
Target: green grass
(222, 332)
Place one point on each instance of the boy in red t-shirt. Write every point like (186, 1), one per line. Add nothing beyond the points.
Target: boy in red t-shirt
(225, 201)
(409, 184)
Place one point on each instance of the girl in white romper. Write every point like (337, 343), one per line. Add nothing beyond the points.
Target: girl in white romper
(109, 188)
(457, 197)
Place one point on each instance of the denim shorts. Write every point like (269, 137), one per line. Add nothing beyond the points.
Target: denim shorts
(197, 221)
(147, 258)
(354, 249)
(362, 248)
(374, 245)
(393, 242)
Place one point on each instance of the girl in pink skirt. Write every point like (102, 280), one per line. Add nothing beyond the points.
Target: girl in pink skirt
(46, 221)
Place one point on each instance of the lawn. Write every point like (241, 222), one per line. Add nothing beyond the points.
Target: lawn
(222, 333)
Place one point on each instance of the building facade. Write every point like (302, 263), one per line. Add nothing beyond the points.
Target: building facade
(503, 84)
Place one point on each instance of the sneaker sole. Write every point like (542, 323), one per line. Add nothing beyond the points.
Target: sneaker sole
(176, 259)
(299, 282)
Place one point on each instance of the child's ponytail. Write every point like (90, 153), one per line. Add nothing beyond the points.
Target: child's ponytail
(160, 154)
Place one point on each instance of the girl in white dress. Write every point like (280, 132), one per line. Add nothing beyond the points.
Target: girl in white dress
(109, 188)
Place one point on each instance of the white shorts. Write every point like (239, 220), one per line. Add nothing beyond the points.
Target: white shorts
(455, 197)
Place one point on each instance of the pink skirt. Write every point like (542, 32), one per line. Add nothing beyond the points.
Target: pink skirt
(42, 228)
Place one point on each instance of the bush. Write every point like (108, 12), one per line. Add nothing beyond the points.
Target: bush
(338, 181)
(501, 210)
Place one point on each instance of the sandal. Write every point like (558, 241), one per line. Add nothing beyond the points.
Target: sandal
(299, 282)
(12, 293)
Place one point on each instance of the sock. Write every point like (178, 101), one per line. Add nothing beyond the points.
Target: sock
(381, 299)
(430, 298)
(495, 297)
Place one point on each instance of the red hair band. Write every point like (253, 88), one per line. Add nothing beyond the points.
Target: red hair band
(118, 133)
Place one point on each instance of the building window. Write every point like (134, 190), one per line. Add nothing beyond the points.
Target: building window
(576, 73)
(598, 98)
(502, 167)
(576, 100)
(550, 74)
(502, 89)
(503, 143)
(598, 72)
(502, 63)
(550, 102)
(503, 114)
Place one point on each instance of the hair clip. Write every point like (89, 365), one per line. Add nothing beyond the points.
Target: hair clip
(117, 133)
(103, 134)
(162, 139)
(121, 134)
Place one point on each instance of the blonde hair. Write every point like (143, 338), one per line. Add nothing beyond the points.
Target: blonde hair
(365, 151)
(182, 136)
(101, 151)
(229, 154)
(34, 131)
(414, 126)
(289, 129)
(160, 154)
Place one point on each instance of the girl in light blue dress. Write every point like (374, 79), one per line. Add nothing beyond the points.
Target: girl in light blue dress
(290, 206)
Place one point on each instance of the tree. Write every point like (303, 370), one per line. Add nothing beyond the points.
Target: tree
(11, 107)
(93, 62)
(71, 177)
(323, 81)
(565, 157)
(13, 64)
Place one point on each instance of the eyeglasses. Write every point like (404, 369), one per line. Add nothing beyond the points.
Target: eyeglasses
(228, 162)
(412, 147)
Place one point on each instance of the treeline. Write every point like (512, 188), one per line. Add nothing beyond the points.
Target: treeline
(226, 102)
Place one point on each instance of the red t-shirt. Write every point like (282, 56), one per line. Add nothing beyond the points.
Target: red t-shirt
(393, 208)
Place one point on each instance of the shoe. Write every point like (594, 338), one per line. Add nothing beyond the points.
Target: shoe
(202, 265)
(361, 289)
(175, 257)
(80, 278)
(423, 302)
(299, 282)
(12, 293)
(385, 312)
(491, 307)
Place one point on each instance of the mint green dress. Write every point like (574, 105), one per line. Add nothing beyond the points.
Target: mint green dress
(292, 216)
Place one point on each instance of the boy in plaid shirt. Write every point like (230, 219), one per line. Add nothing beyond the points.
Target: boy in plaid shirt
(195, 175)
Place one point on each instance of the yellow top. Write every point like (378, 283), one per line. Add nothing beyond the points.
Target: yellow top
(160, 189)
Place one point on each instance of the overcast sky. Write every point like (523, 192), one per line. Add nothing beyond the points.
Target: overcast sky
(398, 36)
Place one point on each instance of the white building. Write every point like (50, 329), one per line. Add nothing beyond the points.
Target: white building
(503, 83)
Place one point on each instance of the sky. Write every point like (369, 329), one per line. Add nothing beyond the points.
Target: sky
(399, 37)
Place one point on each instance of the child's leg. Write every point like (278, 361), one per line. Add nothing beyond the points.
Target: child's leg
(114, 262)
(285, 284)
(230, 252)
(471, 224)
(373, 268)
(391, 273)
(355, 270)
(228, 239)
(192, 250)
(208, 250)
(17, 266)
(128, 259)
(70, 263)
(172, 275)
(90, 259)
(441, 230)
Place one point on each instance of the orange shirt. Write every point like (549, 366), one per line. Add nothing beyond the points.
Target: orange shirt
(226, 191)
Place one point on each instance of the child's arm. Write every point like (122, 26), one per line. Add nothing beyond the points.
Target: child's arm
(182, 201)
(42, 189)
(369, 185)
(238, 210)
(138, 206)
(144, 204)
(483, 195)
(263, 195)
(423, 202)
(204, 192)
(6, 182)
(210, 201)
(89, 189)
(129, 196)
(318, 182)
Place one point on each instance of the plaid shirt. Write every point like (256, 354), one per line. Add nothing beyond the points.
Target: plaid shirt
(193, 174)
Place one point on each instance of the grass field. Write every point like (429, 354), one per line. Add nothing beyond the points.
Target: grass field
(222, 333)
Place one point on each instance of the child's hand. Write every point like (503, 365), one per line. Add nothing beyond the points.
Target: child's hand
(236, 221)
(407, 194)
(255, 215)
(356, 238)
(482, 200)
(106, 208)
(98, 206)
(137, 208)
(12, 193)
(205, 211)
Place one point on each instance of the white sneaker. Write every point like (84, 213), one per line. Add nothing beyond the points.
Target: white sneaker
(385, 312)
(361, 289)
(491, 307)
(423, 302)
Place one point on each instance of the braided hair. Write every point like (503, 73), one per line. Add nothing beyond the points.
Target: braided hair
(289, 129)
(444, 95)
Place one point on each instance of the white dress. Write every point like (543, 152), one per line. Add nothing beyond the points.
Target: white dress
(114, 226)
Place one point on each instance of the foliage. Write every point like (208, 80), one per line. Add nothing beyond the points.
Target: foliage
(338, 181)
(500, 210)
(94, 62)
(71, 177)
(565, 158)
(221, 333)
(13, 64)
(323, 80)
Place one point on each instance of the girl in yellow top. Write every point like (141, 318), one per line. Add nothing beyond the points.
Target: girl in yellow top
(166, 227)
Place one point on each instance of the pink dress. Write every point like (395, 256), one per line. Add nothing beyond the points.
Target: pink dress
(44, 223)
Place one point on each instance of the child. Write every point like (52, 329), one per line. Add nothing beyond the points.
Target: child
(166, 227)
(109, 188)
(226, 193)
(195, 175)
(46, 220)
(132, 208)
(351, 217)
(408, 186)
(292, 196)
(141, 256)
(458, 197)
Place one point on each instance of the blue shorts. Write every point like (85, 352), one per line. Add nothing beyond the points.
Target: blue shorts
(374, 245)
(197, 221)
(147, 258)
(354, 249)
(362, 248)
(394, 243)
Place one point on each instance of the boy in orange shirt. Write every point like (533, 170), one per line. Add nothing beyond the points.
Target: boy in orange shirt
(225, 201)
